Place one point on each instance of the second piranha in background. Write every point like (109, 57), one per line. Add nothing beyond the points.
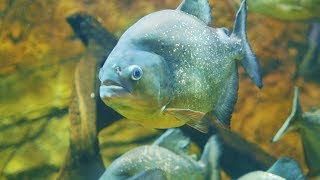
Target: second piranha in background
(308, 125)
(171, 69)
(167, 158)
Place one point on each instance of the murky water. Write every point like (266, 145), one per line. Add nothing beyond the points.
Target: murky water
(49, 87)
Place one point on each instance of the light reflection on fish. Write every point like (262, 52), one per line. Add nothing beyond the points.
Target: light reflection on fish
(171, 69)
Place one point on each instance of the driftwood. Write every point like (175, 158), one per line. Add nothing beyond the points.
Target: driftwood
(83, 160)
(89, 115)
(87, 112)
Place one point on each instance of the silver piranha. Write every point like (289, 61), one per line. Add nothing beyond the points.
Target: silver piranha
(171, 69)
(284, 168)
(167, 158)
(308, 125)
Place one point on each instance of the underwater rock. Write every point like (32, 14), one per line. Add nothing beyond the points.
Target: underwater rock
(308, 126)
(284, 168)
(191, 68)
(167, 158)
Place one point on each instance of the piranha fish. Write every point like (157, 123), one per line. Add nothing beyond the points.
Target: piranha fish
(284, 168)
(285, 9)
(167, 158)
(308, 125)
(171, 69)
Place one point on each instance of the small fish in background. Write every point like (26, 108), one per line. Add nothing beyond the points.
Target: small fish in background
(309, 66)
(167, 158)
(284, 9)
(284, 168)
(308, 126)
(170, 68)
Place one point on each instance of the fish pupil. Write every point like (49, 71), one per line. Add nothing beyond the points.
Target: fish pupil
(137, 73)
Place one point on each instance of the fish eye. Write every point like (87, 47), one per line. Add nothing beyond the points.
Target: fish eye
(136, 72)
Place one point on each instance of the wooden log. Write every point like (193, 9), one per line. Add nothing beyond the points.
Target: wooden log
(87, 112)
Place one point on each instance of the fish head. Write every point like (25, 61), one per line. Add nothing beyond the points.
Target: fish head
(135, 83)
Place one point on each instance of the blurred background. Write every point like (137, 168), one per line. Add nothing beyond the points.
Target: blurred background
(39, 53)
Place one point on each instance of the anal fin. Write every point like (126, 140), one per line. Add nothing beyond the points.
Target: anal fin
(200, 125)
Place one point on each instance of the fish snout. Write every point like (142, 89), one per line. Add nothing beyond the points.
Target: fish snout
(111, 89)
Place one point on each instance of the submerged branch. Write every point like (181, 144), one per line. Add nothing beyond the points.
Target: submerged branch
(53, 112)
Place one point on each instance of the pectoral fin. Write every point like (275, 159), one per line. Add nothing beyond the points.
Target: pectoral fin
(194, 118)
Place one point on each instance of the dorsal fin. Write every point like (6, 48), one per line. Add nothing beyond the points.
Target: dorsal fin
(174, 140)
(287, 168)
(198, 8)
(296, 115)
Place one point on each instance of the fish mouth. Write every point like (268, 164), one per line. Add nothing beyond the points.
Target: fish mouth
(110, 83)
(109, 89)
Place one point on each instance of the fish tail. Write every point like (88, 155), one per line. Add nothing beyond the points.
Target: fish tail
(296, 115)
(249, 60)
(210, 157)
(287, 168)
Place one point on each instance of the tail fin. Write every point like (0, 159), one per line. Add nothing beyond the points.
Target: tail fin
(210, 157)
(249, 61)
(287, 168)
(296, 115)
